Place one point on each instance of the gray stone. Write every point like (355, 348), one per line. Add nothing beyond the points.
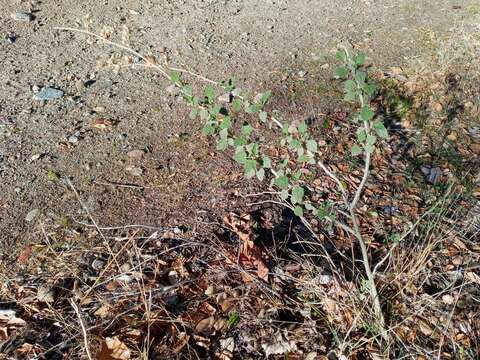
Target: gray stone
(135, 171)
(98, 264)
(23, 16)
(32, 214)
(172, 90)
(432, 175)
(48, 94)
(136, 154)
(225, 98)
(73, 139)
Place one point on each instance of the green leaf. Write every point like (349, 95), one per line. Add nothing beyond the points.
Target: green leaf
(284, 195)
(371, 139)
(209, 93)
(341, 55)
(229, 84)
(267, 163)
(297, 195)
(370, 89)
(360, 59)
(223, 133)
(302, 127)
(341, 72)
(188, 90)
(381, 130)
(263, 116)
(361, 135)
(208, 130)
(253, 148)
(175, 77)
(295, 144)
(226, 123)
(297, 175)
(312, 146)
(369, 148)
(265, 97)
(240, 141)
(356, 150)
(222, 144)
(360, 77)
(366, 114)
(250, 168)
(233, 320)
(281, 182)
(261, 174)
(303, 158)
(298, 210)
(310, 207)
(350, 96)
(247, 129)
(237, 104)
(322, 213)
(215, 110)
(52, 175)
(193, 113)
(240, 156)
(252, 109)
(350, 85)
(204, 114)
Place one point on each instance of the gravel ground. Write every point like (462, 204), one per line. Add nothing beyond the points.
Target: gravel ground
(144, 167)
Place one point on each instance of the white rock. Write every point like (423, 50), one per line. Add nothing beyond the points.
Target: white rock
(32, 214)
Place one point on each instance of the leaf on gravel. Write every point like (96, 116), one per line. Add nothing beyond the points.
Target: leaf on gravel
(102, 124)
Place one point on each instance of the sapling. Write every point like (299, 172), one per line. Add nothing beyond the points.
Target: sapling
(288, 176)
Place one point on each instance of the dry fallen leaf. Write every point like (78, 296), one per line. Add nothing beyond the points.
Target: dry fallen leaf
(25, 254)
(205, 325)
(180, 344)
(101, 124)
(250, 254)
(114, 349)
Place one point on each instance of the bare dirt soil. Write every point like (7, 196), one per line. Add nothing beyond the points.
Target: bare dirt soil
(41, 143)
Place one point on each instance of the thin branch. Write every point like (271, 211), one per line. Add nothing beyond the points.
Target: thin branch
(84, 331)
(161, 69)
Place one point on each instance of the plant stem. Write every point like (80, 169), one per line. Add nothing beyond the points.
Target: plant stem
(366, 171)
(377, 308)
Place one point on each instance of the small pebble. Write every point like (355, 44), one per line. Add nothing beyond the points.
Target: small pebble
(11, 38)
(48, 94)
(173, 277)
(172, 90)
(45, 294)
(98, 264)
(136, 154)
(32, 214)
(135, 171)
(432, 175)
(73, 139)
(225, 98)
(35, 157)
(23, 16)
(448, 299)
